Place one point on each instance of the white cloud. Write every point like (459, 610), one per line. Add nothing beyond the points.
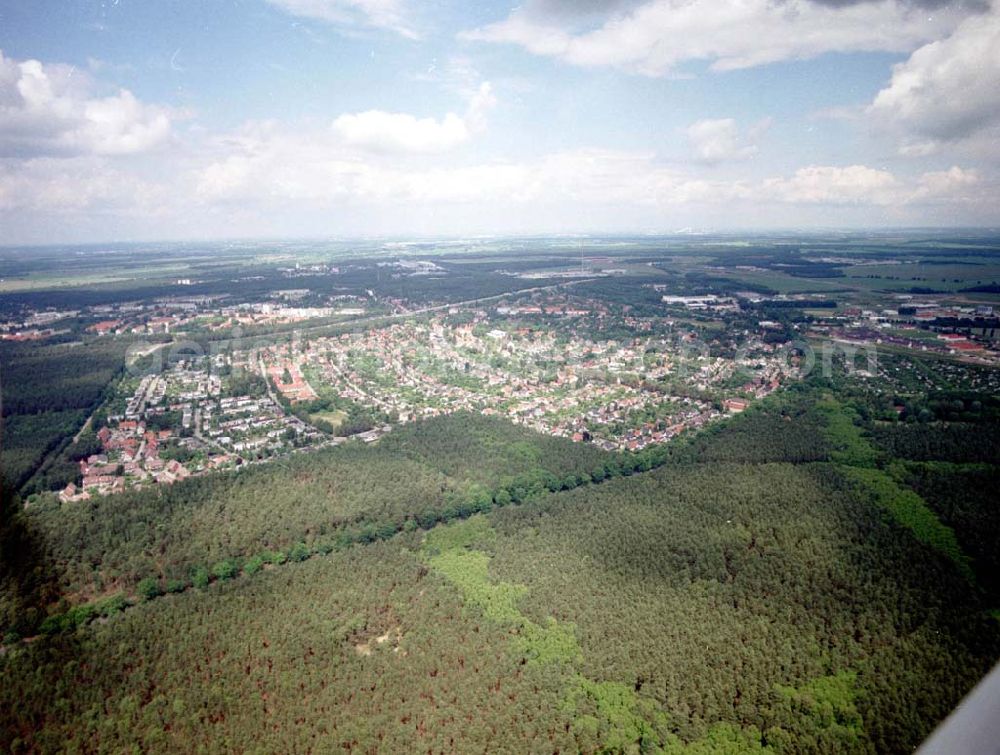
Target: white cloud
(954, 184)
(77, 184)
(719, 139)
(266, 162)
(270, 178)
(659, 35)
(947, 91)
(49, 109)
(271, 165)
(862, 185)
(835, 185)
(381, 14)
(380, 131)
(401, 132)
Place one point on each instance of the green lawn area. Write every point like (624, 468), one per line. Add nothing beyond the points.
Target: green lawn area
(45, 280)
(787, 284)
(335, 417)
(916, 335)
(950, 277)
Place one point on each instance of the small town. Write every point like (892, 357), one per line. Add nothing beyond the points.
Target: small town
(614, 394)
(548, 360)
(221, 412)
(187, 420)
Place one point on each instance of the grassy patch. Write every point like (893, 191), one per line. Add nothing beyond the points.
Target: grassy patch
(822, 711)
(335, 417)
(612, 716)
(468, 570)
(850, 447)
(450, 551)
(608, 716)
(911, 511)
(858, 458)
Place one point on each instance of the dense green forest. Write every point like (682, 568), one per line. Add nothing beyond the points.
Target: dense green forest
(416, 476)
(957, 442)
(787, 582)
(48, 393)
(966, 497)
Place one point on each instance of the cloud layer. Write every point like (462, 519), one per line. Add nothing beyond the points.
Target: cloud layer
(658, 36)
(49, 109)
(274, 166)
(380, 131)
(76, 151)
(947, 91)
(392, 15)
(717, 140)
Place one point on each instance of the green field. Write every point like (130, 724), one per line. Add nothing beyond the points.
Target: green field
(335, 417)
(787, 284)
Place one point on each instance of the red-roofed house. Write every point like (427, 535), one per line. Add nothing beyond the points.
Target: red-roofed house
(965, 346)
(104, 326)
(735, 404)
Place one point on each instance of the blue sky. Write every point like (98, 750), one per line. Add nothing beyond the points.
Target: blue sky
(203, 118)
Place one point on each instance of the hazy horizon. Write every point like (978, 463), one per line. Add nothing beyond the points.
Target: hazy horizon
(403, 239)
